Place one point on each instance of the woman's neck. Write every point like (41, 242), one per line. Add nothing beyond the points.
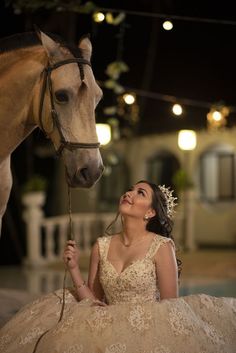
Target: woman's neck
(133, 231)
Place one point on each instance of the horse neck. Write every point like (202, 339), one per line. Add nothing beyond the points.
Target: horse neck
(19, 72)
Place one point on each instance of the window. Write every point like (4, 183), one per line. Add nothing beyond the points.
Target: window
(217, 174)
(162, 167)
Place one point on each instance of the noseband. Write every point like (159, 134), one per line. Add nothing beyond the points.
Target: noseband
(55, 116)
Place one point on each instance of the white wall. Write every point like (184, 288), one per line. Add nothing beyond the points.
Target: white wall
(212, 225)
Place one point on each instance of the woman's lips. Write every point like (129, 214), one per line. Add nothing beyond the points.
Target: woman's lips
(126, 201)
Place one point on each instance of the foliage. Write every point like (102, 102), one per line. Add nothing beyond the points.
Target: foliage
(113, 71)
(182, 181)
(35, 183)
(115, 21)
(20, 6)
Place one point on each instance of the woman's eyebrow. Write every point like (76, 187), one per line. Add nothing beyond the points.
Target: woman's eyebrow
(143, 190)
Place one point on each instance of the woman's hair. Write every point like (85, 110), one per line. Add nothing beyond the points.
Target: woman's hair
(161, 222)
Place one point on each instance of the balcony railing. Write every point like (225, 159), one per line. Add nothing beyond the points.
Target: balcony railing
(46, 237)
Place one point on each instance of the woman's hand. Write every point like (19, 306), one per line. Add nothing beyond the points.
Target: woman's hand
(71, 255)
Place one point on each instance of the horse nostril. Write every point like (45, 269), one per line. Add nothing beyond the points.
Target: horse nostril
(84, 172)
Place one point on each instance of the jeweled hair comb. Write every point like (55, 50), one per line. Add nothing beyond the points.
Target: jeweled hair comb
(170, 200)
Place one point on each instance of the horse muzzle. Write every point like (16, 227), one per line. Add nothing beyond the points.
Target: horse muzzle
(84, 168)
(85, 177)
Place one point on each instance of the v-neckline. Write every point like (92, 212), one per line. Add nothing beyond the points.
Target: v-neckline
(131, 263)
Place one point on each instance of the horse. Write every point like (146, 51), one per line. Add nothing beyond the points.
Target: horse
(49, 84)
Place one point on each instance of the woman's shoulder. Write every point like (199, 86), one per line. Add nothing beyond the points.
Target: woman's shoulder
(102, 244)
(161, 240)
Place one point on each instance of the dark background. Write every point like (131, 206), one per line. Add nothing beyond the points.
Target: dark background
(193, 63)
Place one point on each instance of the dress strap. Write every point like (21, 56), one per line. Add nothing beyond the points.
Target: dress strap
(103, 245)
(157, 242)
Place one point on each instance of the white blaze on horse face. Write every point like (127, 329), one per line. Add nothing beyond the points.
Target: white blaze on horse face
(75, 102)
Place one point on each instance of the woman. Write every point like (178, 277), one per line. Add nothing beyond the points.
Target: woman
(130, 304)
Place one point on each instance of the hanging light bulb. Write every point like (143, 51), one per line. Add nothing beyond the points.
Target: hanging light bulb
(98, 16)
(216, 118)
(129, 98)
(177, 109)
(167, 25)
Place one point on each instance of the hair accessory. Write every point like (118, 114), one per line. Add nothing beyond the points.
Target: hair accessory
(170, 200)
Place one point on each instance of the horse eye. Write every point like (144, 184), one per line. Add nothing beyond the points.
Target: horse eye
(62, 96)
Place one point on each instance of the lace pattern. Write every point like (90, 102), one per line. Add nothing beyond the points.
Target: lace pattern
(138, 278)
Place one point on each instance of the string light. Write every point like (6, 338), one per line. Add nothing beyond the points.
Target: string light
(177, 109)
(216, 118)
(129, 98)
(171, 17)
(167, 25)
(98, 16)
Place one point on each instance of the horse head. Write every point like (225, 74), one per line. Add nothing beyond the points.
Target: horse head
(65, 110)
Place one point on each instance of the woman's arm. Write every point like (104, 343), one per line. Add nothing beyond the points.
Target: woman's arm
(167, 271)
(71, 259)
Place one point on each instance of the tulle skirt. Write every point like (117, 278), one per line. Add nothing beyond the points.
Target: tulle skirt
(191, 324)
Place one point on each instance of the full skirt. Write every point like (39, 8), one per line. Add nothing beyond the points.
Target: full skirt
(196, 323)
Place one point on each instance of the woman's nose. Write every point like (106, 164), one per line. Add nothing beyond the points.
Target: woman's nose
(128, 193)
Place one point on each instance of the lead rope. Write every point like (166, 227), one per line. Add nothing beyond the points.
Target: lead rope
(70, 236)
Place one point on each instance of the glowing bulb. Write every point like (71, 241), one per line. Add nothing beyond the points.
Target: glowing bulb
(98, 16)
(104, 133)
(167, 25)
(177, 109)
(187, 140)
(129, 98)
(216, 115)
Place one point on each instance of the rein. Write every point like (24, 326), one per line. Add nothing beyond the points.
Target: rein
(63, 301)
(55, 116)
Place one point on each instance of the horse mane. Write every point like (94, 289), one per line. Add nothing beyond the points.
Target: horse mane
(31, 39)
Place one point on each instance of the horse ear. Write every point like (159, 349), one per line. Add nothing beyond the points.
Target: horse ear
(86, 47)
(51, 47)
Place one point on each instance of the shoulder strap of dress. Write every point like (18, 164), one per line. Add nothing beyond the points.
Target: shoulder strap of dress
(157, 242)
(103, 245)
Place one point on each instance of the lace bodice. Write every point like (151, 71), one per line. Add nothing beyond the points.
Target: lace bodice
(137, 283)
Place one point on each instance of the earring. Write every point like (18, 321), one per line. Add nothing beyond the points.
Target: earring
(146, 218)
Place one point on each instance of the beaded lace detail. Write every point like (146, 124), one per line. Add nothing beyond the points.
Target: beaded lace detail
(137, 283)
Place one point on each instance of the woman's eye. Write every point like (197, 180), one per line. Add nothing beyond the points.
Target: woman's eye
(62, 96)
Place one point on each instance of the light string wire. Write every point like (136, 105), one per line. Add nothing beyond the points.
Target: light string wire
(174, 99)
(70, 236)
(166, 97)
(170, 17)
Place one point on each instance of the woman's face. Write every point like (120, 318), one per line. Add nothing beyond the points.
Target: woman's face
(137, 201)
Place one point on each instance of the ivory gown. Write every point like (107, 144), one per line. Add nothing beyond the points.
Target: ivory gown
(133, 322)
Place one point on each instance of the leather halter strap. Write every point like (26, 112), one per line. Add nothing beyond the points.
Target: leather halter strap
(55, 116)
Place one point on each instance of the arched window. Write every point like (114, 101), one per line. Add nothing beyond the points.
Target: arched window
(217, 174)
(162, 167)
(114, 181)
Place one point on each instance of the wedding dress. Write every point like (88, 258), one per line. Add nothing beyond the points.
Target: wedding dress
(135, 321)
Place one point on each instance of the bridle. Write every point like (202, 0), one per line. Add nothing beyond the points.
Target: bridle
(55, 116)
